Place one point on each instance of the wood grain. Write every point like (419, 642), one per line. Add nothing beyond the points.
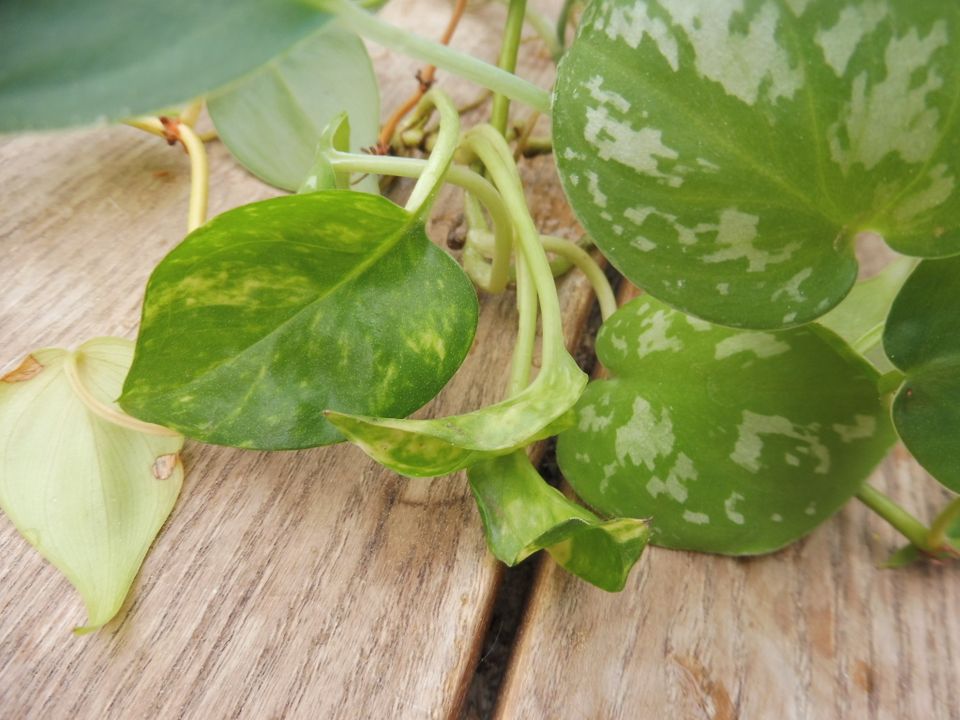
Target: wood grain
(814, 632)
(305, 584)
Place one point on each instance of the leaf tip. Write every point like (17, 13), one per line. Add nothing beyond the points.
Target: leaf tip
(28, 369)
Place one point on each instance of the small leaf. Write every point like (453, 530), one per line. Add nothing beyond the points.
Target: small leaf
(75, 63)
(272, 119)
(725, 153)
(909, 554)
(273, 312)
(83, 491)
(922, 338)
(731, 442)
(522, 514)
(428, 448)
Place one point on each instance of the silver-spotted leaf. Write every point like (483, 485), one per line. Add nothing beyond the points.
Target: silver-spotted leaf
(271, 313)
(427, 448)
(522, 514)
(922, 338)
(730, 441)
(272, 119)
(73, 63)
(724, 154)
(89, 495)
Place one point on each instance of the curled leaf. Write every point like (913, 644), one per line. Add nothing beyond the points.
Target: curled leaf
(427, 448)
(522, 514)
(81, 489)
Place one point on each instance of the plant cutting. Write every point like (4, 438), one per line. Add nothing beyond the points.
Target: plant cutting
(723, 156)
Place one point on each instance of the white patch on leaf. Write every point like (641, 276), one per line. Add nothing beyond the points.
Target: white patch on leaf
(645, 437)
(736, 234)
(590, 421)
(792, 287)
(891, 115)
(742, 64)
(854, 24)
(729, 507)
(631, 23)
(748, 450)
(933, 195)
(696, 518)
(863, 426)
(763, 345)
(654, 338)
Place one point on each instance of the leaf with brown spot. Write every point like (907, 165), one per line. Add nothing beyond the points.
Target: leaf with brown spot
(26, 370)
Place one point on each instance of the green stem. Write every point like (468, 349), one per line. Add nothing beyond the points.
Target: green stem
(588, 266)
(938, 536)
(472, 182)
(562, 21)
(438, 164)
(466, 66)
(544, 29)
(500, 113)
(526, 330)
(493, 151)
(902, 521)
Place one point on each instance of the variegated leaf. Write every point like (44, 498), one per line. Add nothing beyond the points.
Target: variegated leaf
(276, 311)
(731, 442)
(922, 338)
(427, 448)
(89, 495)
(522, 514)
(724, 154)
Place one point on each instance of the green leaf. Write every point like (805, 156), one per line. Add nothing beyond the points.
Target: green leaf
(860, 318)
(922, 338)
(522, 514)
(725, 153)
(89, 495)
(74, 63)
(276, 311)
(732, 442)
(428, 448)
(272, 119)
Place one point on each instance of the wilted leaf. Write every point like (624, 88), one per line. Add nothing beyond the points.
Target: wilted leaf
(89, 495)
(522, 514)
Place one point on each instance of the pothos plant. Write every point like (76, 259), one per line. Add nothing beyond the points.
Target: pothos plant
(724, 155)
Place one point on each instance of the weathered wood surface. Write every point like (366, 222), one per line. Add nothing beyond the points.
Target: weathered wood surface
(298, 585)
(814, 632)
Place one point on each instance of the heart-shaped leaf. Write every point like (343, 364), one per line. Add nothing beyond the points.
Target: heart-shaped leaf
(725, 153)
(273, 312)
(732, 442)
(73, 63)
(427, 448)
(922, 338)
(522, 514)
(89, 495)
(272, 119)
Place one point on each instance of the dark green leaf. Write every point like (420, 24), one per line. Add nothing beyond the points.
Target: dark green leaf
(731, 442)
(922, 338)
(272, 119)
(276, 311)
(725, 153)
(522, 514)
(64, 62)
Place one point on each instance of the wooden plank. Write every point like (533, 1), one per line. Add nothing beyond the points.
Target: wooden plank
(814, 631)
(297, 584)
